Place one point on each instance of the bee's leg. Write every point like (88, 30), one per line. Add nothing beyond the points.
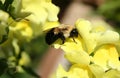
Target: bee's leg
(61, 36)
(74, 40)
(63, 39)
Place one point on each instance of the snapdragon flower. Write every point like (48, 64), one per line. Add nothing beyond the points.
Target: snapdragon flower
(41, 12)
(20, 22)
(22, 30)
(94, 48)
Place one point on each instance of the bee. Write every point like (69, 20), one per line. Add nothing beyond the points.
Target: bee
(61, 32)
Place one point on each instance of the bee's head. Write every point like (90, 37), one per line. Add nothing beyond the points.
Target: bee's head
(74, 33)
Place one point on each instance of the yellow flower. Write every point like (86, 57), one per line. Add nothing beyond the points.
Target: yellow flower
(41, 12)
(93, 38)
(99, 72)
(16, 12)
(112, 74)
(74, 52)
(107, 57)
(22, 30)
(76, 71)
(25, 59)
(98, 41)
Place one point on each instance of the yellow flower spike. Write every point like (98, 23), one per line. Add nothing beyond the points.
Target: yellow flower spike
(48, 25)
(107, 57)
(76, 71)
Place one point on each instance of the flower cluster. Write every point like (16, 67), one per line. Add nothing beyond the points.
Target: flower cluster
(20, 22)
(94, 54)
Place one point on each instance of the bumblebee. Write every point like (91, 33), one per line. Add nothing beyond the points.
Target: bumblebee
(61, 32)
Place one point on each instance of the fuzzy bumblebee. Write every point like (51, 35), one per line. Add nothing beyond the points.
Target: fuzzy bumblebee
(61, 32)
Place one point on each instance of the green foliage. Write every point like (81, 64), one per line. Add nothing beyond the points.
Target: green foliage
(39, 47)
(3, 66)
(17, 75)
(111, 10)
(1, 4)
(30, 71)
(6, 4)
(4, 36)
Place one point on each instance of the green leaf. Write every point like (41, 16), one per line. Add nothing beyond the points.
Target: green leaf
(5, 36)
(5, 76)
(1, 5)
(7, 3)
(16, 75)
(30, 71)
(21, 75)
(3, 65)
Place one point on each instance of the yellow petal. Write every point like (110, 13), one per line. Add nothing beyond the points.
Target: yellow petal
(52, 11)
(76, 71)
(22, 30)
(50, 25)
(3, 16)
(60, 73)
(41, 11)
(112, 74)
(25, 59)
(77, 57)
(94, 37)
(75, 53)
(38, 13)
(108, 37)
(107, 57)
(84, 28)
(97, 71)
